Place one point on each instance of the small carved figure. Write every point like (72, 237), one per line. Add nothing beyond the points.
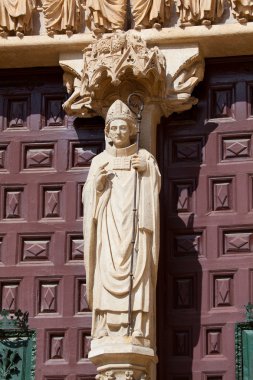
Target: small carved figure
(149, 13)
(61, 16)
(105, 15)
(16, 16)
(243, 10)
(110, 15)
(108, 231)
(203, 12)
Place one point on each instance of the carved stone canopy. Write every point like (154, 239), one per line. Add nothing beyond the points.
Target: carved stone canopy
(113, 67)
(118, 64)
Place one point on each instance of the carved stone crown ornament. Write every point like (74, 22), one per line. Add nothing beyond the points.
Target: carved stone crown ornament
(113, 67)
(118, 64)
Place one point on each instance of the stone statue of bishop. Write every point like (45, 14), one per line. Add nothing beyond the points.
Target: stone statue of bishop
(108, 198)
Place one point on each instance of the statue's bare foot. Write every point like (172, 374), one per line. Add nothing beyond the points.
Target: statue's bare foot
(137, 334)
(51, 32)
(206, 22)
(69, 31)
(102, 333)
(139, 27)
(242, 20)
(3, 33)
(157, 26)
(98, 31)
(20, 33)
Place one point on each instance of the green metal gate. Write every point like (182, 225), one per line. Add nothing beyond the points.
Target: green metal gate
(17, 347)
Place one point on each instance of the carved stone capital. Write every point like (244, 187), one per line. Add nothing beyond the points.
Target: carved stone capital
(118, 64)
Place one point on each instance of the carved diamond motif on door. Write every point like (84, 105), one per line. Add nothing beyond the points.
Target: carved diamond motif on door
(222, 194)
(82, 154)
(213, 341)
(39, 157)
(187, 151)
(239, 242)
(188, 245)
(223, 291)
(9, 297)
(221, 102)
(54, 114)
(75, 247)
(236, 148)
(83, 157)
(52, 202)
(35, 249)
(17, 112)
(13, 203)
(56, 343)
(49, 297)
(181, 343)
(182, 197)
(183, 293)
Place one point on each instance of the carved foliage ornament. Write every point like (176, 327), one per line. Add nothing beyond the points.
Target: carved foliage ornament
(115, 66)
(121, 373)
(181, 85)
(121, 63)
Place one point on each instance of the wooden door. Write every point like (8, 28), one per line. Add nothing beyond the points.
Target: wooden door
(206, 266)
(44, 160)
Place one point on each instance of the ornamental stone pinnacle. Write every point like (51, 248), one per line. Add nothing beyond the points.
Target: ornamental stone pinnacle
(114, 66)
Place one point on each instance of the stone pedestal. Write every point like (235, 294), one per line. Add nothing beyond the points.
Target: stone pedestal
(123, 358)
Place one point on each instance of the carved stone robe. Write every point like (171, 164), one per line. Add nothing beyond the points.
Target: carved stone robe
(195, 11)
(147, 12)
(108, 227)
(16, 14)
(111, 14)
(106, 14)
(62, 14)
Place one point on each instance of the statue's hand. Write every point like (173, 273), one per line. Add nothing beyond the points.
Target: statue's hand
(100, 177)
(139, 163)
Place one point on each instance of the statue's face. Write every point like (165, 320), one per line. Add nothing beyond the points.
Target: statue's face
(119, 132)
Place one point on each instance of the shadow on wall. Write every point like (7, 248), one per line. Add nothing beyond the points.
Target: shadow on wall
(181, 142)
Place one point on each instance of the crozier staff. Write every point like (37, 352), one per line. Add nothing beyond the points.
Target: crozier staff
(108, 200)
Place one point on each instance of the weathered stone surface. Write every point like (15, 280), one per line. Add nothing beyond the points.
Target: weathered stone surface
(121, 246)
